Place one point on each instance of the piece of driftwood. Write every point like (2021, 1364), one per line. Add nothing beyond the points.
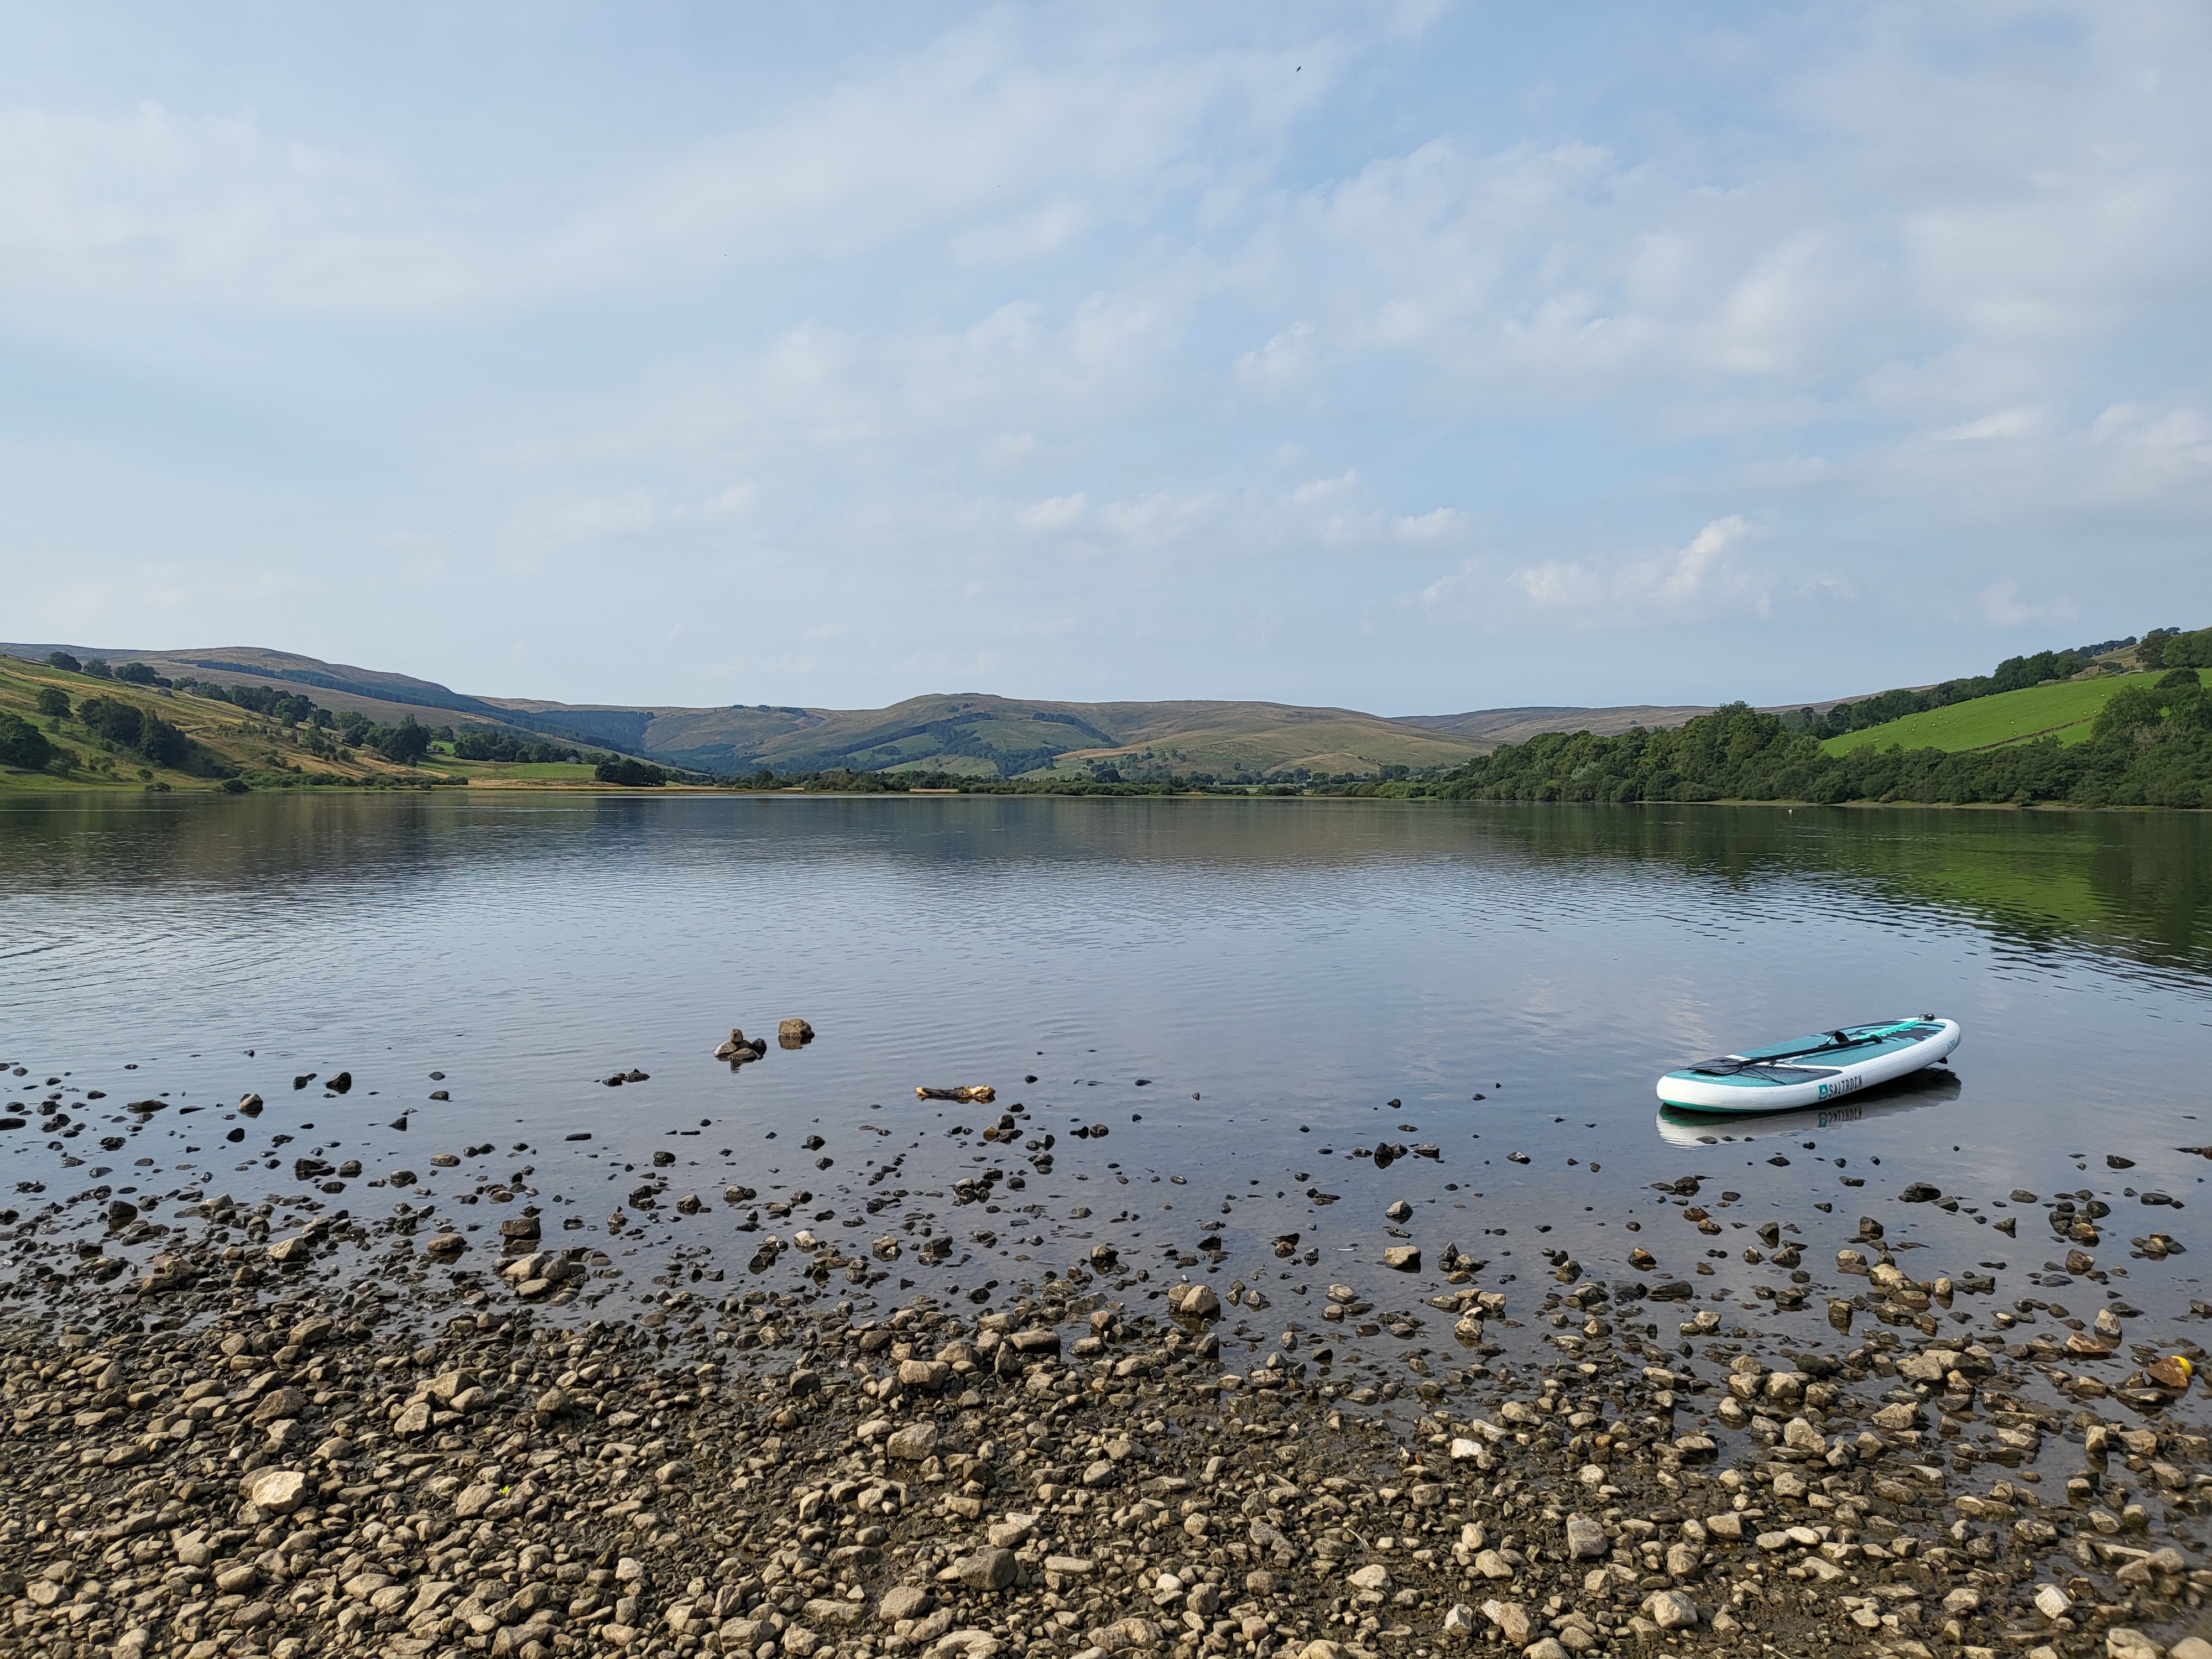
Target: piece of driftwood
(981, 1093)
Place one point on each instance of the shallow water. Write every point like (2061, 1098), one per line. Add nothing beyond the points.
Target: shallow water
(1243, 993)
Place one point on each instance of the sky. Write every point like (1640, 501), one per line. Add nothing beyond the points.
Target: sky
(1412, 358)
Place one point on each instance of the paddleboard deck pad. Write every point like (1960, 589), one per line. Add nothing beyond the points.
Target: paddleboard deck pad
(1810, 1070)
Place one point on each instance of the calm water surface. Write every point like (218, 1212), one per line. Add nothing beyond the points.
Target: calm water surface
(1246, 993)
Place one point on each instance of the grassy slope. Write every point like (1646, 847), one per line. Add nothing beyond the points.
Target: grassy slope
(235, 736)
(508, 774)
(262, 751)
(2064, 709)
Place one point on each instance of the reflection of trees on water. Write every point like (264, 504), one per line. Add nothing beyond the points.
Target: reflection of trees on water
(2136, 886)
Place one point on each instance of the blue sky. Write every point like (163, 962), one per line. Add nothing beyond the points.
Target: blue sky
(1416, 359)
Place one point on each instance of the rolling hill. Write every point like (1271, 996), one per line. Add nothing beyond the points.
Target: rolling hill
(218, 739)
(975, 732)
(981, 735)
(2064, 709)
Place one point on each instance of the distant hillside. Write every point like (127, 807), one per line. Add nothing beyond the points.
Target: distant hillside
(1007, 737)
(1498, 725)
(974, 733)
(133, 736)
(2064, 709)
(383, 696)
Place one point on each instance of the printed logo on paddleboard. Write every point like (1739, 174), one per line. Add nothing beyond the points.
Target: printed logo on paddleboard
(1841, 1086)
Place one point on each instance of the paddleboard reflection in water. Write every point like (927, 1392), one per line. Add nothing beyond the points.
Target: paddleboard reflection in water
(1931, 1087)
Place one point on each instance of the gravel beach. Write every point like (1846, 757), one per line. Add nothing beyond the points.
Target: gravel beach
(331, 1418)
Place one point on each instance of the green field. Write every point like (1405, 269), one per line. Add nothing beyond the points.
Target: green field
(494, 771)
(2063, 709)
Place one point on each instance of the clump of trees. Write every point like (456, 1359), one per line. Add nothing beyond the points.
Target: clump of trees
(126, 725)
(283, 707)
(484, 743)
(630, 773)
(403, 744)
(22, 745)
(2169, 647)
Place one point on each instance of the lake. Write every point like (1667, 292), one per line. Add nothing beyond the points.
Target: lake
(1248, 996)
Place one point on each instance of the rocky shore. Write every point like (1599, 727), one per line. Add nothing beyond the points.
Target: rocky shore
(271, 1438)
(290, 1426)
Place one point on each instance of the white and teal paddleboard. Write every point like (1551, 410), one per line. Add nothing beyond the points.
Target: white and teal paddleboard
(1810, 1070)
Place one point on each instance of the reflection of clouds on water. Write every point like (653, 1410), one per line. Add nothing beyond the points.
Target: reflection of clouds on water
(1935, 1087)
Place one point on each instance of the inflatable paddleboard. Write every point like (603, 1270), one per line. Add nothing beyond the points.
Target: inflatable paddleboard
(1810, 1071)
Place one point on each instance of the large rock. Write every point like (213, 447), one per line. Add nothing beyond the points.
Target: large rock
(287, 1401)
(1405, 1258)
(1511, 1617)
(927, 1376)
(914, 1444)
(904, 1601)
(1586, 1539)
(1671, 1610)
(1195, 1302)
(274, 1491)
(988, 1568)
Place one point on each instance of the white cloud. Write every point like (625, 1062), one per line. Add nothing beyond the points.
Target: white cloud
(1054, 513)
(1282, 360)
(2002, 606)
(1001, 141)
(1666, 587)
(1009, 450)
(1693, 582)
(1318, 492)
(738, 501)
(2001, 423)
(2169, 429)
(1433, 525)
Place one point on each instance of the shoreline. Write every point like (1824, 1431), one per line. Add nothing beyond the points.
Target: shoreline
(522, 785)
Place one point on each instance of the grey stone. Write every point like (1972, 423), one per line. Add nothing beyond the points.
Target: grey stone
(987, 1569)
(904, 1601)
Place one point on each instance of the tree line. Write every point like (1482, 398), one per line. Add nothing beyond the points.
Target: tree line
(2150, 746)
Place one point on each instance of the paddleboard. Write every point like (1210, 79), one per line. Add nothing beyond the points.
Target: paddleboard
(1810, 1071)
